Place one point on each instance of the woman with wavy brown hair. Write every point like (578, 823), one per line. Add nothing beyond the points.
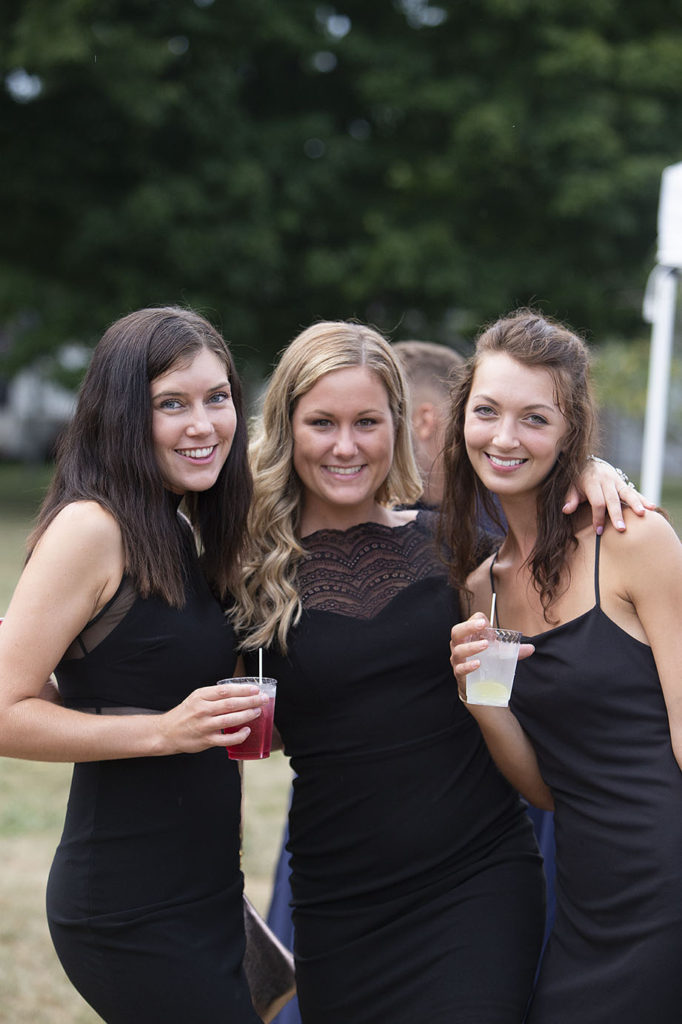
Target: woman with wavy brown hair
(594, 727)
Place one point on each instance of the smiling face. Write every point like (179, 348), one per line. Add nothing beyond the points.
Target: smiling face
(513, 426)
(343, 436)
(193, 422)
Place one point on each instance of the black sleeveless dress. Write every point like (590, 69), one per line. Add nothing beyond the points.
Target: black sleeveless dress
(144, 897)
(591, 702)
(417, 886)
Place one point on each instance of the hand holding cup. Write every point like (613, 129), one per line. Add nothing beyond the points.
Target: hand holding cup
(469, 642)
(258, 743)
(202, 718)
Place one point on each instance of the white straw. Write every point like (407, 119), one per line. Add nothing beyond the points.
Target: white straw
(492, 609)
(260, 665)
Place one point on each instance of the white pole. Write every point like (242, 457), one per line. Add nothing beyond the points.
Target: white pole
(662, 332)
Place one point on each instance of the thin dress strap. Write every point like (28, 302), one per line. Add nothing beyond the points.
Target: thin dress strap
(596, 570)
(596, 577)
(492, 587)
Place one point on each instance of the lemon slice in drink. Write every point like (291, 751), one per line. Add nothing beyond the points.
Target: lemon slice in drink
(488, 691)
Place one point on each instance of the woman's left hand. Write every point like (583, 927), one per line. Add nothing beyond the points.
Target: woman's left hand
(607, 490)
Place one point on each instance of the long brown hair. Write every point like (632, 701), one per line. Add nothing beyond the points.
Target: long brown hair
(537, 341)
(106, 455)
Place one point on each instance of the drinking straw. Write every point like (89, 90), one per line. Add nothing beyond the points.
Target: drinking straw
(492, 610)
(260, 665)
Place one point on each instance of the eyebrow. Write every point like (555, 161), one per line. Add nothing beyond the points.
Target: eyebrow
(330, 415)
(526, 408)
(173, 392)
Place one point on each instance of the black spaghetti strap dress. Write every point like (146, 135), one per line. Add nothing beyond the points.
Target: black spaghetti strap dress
(417, 885)
(144, 897)
(590, 700)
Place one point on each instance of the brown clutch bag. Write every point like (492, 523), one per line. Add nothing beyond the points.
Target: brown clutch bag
(268, 965)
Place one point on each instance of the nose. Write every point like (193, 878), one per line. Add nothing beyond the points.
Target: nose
(344, 444)
(505, 435)
(200, 422)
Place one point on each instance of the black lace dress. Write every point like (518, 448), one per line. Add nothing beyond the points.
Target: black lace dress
(144, 897)
(417, 887)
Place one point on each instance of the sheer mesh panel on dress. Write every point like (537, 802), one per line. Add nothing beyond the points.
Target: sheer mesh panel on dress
(105, 622)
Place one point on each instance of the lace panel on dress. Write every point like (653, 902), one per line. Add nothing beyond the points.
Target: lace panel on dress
(358, 572)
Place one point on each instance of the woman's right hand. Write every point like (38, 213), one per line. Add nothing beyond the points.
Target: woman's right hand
(198, 722)
(508, 744)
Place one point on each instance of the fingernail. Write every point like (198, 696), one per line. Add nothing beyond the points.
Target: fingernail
(565, 508)
(600, 530)
(620, 525)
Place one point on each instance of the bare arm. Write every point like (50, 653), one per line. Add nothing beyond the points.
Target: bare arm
(607, 491)
(74, 569)
(508, 744)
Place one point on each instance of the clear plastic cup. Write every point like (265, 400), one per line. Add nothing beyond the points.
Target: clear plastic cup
(491, 683)
(259, 743)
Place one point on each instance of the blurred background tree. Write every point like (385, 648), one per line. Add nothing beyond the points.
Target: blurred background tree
(421, 165)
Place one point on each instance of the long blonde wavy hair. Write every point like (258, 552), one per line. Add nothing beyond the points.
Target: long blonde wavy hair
(267, 601)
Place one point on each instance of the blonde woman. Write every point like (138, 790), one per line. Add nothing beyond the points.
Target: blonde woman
(417, 887)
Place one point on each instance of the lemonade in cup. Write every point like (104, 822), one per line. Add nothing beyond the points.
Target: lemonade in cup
(491, 682)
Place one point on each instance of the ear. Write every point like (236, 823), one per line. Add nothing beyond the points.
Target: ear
(425, 420)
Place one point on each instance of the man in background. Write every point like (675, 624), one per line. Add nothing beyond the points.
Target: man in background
(428, 368)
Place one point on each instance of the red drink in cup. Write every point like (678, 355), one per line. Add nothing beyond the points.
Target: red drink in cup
(258, 744)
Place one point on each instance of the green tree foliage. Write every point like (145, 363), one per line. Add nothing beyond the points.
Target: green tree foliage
(424, 166)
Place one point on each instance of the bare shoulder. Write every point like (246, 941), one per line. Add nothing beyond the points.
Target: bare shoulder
(644, 562)
(83, 524)
(83, 539)
(74, 569)
(643, 535)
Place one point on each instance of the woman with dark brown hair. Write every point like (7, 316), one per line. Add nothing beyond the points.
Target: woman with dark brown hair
(121, 597)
